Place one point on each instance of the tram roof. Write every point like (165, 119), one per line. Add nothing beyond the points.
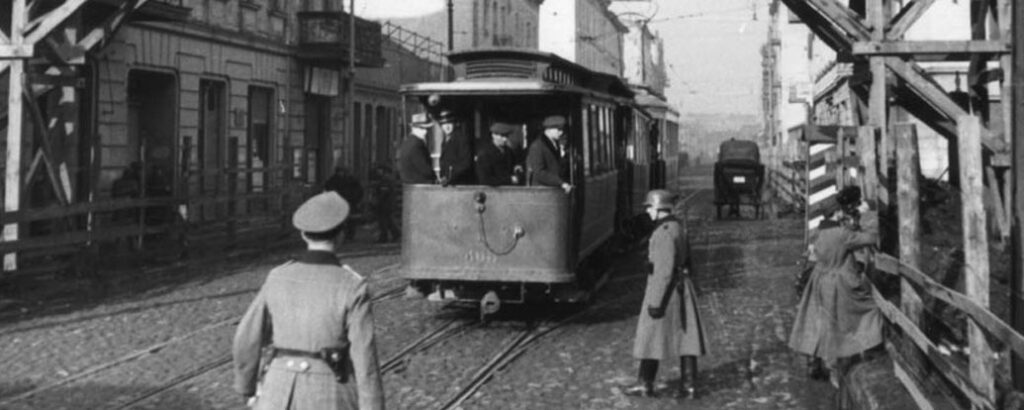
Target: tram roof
(520, 71)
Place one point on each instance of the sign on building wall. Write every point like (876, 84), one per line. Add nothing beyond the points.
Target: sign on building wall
(322, 81)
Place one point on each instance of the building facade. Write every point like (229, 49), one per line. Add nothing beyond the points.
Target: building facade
(585, 32)
(482, 24)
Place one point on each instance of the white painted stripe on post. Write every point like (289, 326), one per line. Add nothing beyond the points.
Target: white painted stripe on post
(814, 222)
(817, 148)
(824, 193)
(818, 172)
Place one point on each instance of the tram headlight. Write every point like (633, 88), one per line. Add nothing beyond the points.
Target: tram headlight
(433, 100)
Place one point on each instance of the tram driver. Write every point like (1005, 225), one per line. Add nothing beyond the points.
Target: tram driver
(544, 159)
(456, 152)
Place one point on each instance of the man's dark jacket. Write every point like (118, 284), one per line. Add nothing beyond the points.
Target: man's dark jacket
(414, 162)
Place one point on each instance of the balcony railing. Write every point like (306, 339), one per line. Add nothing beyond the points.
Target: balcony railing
(324, 35)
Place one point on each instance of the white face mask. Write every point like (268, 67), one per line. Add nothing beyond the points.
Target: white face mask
(447, 127)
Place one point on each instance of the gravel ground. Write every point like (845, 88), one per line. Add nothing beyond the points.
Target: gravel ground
(746, 271)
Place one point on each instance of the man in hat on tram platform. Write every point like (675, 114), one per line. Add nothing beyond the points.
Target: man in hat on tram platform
(456, 152)
(316, 314)
(545, 156)
(494, 161)
(414, 165)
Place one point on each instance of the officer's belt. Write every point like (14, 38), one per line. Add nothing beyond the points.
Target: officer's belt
(280, 351)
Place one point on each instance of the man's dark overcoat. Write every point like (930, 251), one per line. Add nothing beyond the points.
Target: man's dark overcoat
(494, 165)
(414, 162)
(543, 163)
(457, 159)
(680, 332)
(309, 304)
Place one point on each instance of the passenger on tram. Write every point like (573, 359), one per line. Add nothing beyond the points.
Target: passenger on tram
(494, 161)
(545, 155)
(456, 152)
(413, 156)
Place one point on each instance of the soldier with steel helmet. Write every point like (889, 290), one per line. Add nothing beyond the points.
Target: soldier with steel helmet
(316, 314)
(669, 325)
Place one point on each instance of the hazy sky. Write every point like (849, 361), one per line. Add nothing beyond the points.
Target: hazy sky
(711, 47)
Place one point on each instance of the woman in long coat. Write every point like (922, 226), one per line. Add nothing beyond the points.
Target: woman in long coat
(837, 316)
(669, 325)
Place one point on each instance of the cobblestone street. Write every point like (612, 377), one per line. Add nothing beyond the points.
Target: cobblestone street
(169, 346)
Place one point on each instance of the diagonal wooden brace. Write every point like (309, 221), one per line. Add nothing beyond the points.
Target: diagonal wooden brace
(906, 18)
(930, 92)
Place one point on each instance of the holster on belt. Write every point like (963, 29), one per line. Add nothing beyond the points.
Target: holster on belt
(336, 358)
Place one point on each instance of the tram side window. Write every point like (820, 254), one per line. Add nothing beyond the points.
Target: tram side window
(586, 140)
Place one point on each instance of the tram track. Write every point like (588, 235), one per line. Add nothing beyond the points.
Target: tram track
(203, 368)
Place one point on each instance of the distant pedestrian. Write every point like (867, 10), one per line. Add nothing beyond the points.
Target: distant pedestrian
(837, 316)
(386, 192)
(348, 186)
(316, 314)
(456, 152)
(670, 324)
(414, 165)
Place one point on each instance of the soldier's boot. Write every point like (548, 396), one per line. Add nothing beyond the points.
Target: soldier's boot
(644, 386)
(688, 372)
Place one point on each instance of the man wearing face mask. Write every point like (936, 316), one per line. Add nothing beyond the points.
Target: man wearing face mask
(544, 157)
(669, 325)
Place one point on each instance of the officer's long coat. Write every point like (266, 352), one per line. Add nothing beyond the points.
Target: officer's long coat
(414, 162)
(308, 305)
(680, 331)
(543, 164)
(837, 316)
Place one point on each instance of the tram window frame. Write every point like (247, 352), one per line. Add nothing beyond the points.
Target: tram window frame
(585, 131)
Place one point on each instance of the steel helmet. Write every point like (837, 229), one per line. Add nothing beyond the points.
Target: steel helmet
(661, 199)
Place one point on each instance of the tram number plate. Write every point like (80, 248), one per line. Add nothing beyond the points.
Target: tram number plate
(739, 179)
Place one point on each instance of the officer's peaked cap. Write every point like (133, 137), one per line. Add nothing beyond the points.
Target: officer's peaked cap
(502, 128)
(554, 121)
(420, 120)
(321, 213)
(661, 199)
(446, 116)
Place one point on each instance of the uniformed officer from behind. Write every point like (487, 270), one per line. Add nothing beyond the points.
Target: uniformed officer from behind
(669, 325)
(413, 155)
(544, 157)
(316, 314)
(494, 162)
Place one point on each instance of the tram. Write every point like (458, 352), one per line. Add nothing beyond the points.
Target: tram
(526, 243)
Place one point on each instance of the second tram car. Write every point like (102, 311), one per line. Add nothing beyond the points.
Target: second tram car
(522, 243)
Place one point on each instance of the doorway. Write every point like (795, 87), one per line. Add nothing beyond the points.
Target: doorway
(152, 129)
(317, 139)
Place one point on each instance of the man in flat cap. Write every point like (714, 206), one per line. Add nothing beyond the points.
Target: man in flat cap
(316, 314)
(413, 156)
(456, 152)
(494, 161)
(545, 155)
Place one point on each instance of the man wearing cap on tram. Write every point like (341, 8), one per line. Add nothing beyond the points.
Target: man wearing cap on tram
(669, 325)
(544, 157)
(494, 161)
(316, 314)
(413, 156)
(456, 152)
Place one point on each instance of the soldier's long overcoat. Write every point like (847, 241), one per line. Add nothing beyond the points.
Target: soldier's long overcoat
(309, 304)
(680, 332)
(837, 316)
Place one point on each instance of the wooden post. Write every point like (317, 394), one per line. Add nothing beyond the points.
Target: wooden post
(976, 264)
(877, 99)
(1017, 176)
(869, 159)
(908, 199)
(12, 172)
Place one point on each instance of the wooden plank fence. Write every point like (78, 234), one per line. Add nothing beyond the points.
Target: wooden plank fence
(854, 160)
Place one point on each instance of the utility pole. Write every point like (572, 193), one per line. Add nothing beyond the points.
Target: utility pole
(451, 27)
(350, 76)
(1017, 173)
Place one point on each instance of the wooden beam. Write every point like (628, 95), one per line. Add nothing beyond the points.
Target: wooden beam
(908, 169)
(42, 26)
(12, 169)
(1015, 117)
(843, 17)
(111, 24)
(819, 25)
(976, 265)
(932, 93)
(906, 17)
(13, 51)
(916, 48)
